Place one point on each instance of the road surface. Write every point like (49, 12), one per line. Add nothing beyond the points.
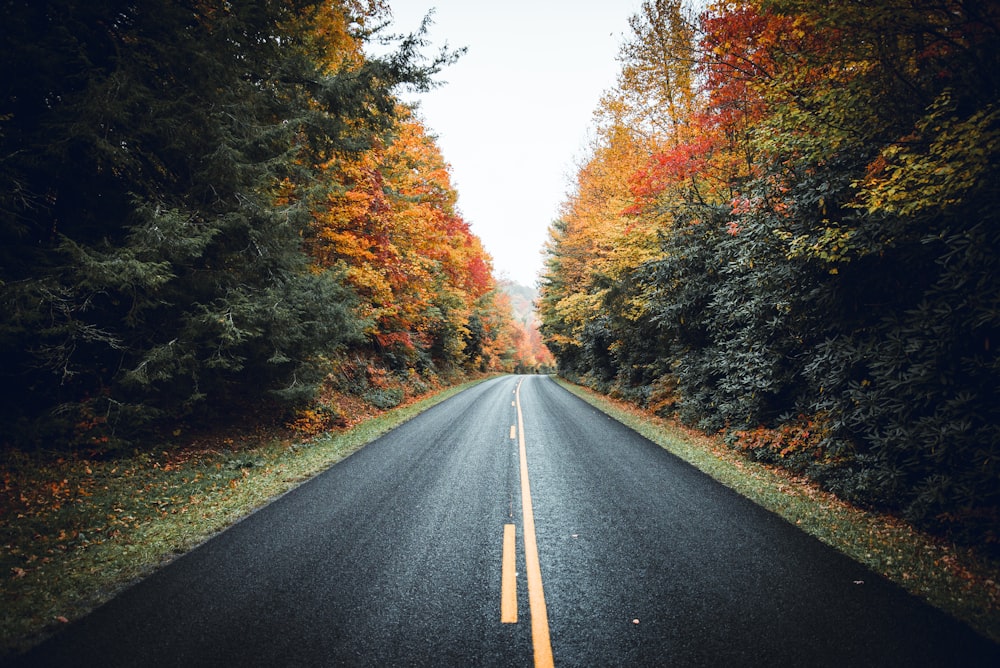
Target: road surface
(514, 525)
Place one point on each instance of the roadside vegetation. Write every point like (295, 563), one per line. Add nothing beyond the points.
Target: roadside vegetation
(222, 205)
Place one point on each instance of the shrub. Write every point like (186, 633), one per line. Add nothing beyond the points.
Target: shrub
(384, 398)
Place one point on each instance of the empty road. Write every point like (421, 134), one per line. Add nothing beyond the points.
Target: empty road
(514, 525)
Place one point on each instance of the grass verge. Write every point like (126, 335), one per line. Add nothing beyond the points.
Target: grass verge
(958, 581)
(75, 531)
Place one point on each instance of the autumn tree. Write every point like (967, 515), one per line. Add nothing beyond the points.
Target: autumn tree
(156, 170)
(656, 85)
(593, 306)
(826, 218)
(390, 224)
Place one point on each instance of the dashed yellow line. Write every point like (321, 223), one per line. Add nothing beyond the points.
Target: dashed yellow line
(508, 579)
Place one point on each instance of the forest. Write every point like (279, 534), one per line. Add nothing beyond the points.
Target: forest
(786, 232)
(211, 210)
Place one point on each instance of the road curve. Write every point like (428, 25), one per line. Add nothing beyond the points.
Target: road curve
(395, 557)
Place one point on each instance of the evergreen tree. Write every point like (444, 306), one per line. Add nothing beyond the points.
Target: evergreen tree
(151, 257)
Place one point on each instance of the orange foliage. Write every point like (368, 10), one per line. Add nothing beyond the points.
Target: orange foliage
(804, 437)
(390, 223)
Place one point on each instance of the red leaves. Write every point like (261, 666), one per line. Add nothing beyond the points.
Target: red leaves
(479, 275)
(393, 340)
(683, 161)
(804, 436)
(670, 168)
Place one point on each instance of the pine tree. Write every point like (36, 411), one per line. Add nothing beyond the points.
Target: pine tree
(156, 164)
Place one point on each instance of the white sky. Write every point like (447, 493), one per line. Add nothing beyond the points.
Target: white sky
(514, 115)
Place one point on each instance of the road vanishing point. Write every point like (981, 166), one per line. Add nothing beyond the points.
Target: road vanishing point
(514, 525)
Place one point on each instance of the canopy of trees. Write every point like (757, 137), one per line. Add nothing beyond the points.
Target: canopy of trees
(787, 230)
(202, 200)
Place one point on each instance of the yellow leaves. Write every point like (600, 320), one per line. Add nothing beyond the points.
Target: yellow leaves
(576, 310)
(946, 158)
(596, 241)
(332, 42)
(390, 225)
(831, 244)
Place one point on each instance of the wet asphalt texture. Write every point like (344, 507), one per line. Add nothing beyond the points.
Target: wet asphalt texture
(393, 558)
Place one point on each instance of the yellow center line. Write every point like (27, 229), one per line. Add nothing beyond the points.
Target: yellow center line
(513, 432)
(536, 595)
(508, 581)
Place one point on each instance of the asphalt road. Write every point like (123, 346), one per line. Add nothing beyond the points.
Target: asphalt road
(394, 557)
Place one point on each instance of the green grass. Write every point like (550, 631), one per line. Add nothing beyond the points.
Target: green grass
(75, 531)
(958, 581)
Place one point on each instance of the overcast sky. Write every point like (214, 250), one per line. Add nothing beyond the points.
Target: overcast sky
(513, 117)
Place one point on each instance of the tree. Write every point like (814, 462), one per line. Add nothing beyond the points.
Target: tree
(157, 158)
(656, 84)
(390, 224)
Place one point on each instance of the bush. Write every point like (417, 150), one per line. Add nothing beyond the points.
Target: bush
(384, 399)
(317, 419)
